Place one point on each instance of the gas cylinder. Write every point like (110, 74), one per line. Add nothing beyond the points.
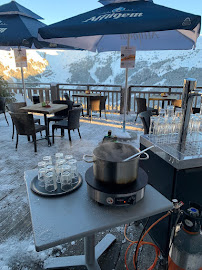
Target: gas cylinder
(186, 249)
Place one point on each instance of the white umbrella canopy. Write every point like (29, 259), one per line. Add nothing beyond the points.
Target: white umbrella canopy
(138, 23)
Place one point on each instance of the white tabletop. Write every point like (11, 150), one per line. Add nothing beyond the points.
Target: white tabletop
(57, 220)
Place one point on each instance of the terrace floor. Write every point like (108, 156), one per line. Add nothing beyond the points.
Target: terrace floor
(17, 250)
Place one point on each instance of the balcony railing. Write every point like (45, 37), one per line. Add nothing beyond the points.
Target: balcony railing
(114, 93)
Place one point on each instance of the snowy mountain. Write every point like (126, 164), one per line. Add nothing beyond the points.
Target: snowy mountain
(152, 67)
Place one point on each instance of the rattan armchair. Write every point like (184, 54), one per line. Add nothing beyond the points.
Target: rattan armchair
(3, 107)
(70, 123)
(142, 107)
(15, 108)
(25, 125)
(145, 117)
(97, 104)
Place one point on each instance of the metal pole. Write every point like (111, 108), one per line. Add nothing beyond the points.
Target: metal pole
(126, 91)
(23, 82)
(89, 249)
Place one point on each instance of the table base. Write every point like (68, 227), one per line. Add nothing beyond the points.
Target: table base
(92, 254)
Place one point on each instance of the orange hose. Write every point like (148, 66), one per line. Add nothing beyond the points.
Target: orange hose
(143, 243)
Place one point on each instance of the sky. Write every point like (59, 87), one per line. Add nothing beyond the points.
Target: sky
(54, 11)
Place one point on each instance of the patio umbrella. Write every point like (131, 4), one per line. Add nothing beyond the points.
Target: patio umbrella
(14, 8)
(142, 24)
(19, 29)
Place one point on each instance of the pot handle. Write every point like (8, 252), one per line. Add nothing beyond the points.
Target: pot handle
(145, 158)
(88, 161)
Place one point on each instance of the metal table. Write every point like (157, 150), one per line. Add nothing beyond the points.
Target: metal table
(58, 220)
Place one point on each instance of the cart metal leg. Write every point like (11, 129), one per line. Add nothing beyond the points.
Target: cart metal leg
(90, 257)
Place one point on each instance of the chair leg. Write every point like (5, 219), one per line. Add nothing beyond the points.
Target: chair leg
(91, 116)
(100, 114)
(13, 131)
(6, 119)
(105, 115)
(82, 113)
(28, 138)
(53, 138)
(62, 132)
(79, 133)
(136, 118)
(69, 135)
(34, 139)
(16, 146)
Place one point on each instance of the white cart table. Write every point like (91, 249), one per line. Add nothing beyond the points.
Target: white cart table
(58, 220)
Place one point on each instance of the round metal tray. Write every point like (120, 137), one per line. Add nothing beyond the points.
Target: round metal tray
(58, 192)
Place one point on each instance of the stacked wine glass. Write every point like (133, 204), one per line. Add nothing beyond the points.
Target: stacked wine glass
(165, 129)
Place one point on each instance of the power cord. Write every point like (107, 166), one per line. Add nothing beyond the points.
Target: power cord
(138, 242)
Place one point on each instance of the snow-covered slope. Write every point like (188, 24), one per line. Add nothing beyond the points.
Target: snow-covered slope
(152, 67)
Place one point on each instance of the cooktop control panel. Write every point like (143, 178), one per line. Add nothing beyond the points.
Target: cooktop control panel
(121, 200)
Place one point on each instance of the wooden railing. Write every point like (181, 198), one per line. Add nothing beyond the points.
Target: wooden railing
(148, 91)
(114, 93)
(43, 90)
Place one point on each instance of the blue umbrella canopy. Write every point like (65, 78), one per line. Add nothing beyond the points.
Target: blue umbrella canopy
(151, 27)
(19, 30)
(14, 8)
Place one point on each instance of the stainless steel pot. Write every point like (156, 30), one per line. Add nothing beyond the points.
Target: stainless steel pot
(109, 166)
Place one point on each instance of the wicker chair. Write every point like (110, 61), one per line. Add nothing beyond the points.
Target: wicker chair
(97, 104)
(58, 116)
(142, 107)
(3, 107)
(75, 105)
(71, 123)
(145, 117)
(15, 108)
(24, 124)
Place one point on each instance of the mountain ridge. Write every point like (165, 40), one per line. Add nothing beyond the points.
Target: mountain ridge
(151, 67)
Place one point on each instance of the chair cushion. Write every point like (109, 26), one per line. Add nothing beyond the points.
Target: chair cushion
(56, 118)
(40, 128)
(61, 124)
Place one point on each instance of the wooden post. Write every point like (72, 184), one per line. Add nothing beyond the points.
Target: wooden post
(54, 92)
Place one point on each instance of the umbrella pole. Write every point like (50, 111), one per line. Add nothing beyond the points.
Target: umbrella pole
(23, 82)
(126, 92)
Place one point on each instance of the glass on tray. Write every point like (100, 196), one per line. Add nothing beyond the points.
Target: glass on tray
(68, 157)
(58, 169)
(47, 160)
(66, 180)
(50, 181)
(41, 176)
(59, 156)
